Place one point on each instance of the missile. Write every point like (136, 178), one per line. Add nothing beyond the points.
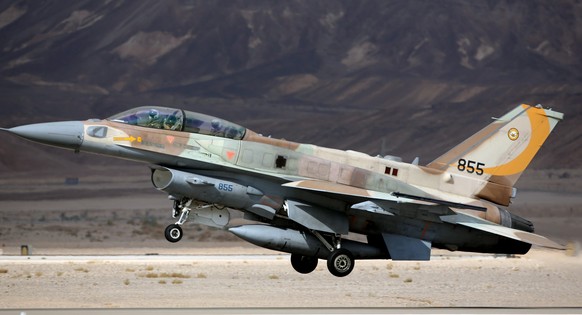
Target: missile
(301, 242)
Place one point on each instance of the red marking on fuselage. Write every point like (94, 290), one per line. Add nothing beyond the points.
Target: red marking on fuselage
(230, 154)
(170, 139)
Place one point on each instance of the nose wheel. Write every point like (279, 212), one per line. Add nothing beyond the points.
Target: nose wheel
(173, 233)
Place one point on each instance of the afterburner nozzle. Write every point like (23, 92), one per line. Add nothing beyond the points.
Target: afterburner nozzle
(65, 134)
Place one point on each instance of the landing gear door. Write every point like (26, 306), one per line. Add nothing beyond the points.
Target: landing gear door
(211, 216)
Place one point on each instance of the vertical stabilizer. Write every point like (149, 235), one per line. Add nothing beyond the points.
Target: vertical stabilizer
(500, 152)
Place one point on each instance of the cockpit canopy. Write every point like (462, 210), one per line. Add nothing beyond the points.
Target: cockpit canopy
(179, 120)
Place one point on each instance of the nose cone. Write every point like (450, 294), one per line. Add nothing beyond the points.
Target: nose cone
(65, 134)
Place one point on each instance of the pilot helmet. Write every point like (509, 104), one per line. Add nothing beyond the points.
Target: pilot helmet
(154, 114)
(216, 123)
(171, 120)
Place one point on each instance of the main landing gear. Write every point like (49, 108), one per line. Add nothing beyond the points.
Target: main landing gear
(303, 264)
(340, 262)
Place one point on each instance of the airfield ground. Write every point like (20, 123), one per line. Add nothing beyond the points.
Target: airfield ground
(99, 243)
(539, 279)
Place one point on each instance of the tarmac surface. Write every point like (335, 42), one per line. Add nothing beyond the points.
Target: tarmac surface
(300, 311)
(243, 283)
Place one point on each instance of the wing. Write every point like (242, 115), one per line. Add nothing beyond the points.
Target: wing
(394, 203)
(418, 207)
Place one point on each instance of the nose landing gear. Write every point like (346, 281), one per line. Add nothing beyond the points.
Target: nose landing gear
(173, 232)
(203, 214)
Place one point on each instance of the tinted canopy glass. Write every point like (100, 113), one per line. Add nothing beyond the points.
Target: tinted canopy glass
(152, 117)
(179, 120)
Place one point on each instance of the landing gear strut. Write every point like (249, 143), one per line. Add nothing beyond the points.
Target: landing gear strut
(181, 210)
(340, 262)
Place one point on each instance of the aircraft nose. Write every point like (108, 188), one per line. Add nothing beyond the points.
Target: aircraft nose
(65, 134)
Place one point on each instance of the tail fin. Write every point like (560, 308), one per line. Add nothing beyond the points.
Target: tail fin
(500, 152)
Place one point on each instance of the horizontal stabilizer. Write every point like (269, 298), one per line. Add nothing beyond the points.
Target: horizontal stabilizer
(484, 225)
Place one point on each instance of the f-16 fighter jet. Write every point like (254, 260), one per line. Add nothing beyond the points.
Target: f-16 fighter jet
(304, 199)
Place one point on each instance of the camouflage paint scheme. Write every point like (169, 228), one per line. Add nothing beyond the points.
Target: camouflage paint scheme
(455, 202)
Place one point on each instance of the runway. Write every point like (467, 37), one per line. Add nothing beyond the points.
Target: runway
(298, 311)
(190, 258)
(143, 258)
(252, 283)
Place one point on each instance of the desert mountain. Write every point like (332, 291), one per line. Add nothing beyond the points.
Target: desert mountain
(409, 78)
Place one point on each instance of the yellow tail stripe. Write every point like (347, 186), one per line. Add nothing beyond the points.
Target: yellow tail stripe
(540, 130)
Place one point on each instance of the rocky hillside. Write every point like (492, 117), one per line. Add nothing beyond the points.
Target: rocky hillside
(393, 77)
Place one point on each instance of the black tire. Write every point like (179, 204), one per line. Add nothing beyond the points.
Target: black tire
(341, 262)
(173, 233)
(303, 264)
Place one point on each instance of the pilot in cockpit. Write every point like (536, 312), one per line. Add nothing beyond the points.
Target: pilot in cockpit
(154, 119)
(171, 123)
(217, 128)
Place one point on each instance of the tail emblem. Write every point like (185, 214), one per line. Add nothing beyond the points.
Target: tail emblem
(513, 134)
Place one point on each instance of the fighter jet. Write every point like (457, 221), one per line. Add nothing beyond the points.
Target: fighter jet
(307, 200)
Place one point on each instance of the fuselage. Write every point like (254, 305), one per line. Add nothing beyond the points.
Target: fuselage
(279, 161)
(213, 147)
(278, 158)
